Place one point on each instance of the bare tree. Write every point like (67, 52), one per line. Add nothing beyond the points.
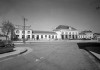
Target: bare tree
(8, 28)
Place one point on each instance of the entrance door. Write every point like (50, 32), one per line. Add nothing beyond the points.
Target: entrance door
(62, 37)
(66, 37)
(73, 37)
(37, 37)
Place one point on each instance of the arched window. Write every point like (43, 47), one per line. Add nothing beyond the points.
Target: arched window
(62, 33)
(49, 36)
(52, 36)
(28, 36)
(69, 33)
(41, 36)
(28, 32)
(23, 32)
(33, 36)
(17, 31)
(45, 35)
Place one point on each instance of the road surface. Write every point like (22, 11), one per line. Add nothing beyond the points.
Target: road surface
(51, 56)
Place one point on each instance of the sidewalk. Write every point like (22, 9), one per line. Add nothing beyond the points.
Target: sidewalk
(18, 50)
(95, 54)
(34, 41)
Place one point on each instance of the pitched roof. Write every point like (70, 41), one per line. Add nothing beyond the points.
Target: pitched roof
(43, 32)
(22, 29)
(86, 31)
(96, 33)
(64, 27)
(82, 33)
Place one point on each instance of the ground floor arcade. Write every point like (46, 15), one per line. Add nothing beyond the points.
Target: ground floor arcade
(69, 37)
(54, 37)
(43, 37)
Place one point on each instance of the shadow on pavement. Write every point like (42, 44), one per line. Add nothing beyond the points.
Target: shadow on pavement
(90, 46)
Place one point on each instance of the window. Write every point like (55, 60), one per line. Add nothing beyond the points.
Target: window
(69, 36)
(28, 36)
(41, 36)
(49, 36)
(23, 36)
(72, 33)
(62, 33)
(62, 36)
(52, 36)
(45, 35)
(32, 36)
(32, 31)
(23, 32)
(37, 37)
(69, 33)
(66, 36)
(28, 32)
(17, 36)
(66, 32)
(17, 31)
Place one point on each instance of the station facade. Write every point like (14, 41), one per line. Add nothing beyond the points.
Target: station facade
(62, 32)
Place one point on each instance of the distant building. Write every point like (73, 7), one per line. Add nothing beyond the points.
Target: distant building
(66, 32)
(86, 35)
(44, 35)
(20, 33)
(35, 35)
(62, 32)
(96, 35)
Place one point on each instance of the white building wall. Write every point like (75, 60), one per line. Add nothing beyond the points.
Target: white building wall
(58, 34)
(26, 33)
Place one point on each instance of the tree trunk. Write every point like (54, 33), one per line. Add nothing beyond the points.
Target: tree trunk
(6, 38)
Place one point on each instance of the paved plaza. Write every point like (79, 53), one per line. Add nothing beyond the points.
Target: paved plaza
(50, 56)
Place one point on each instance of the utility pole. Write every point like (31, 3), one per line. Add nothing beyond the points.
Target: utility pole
(24, 30)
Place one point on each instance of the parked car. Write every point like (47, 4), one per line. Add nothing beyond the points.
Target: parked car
(2, 44)
(7, 43)
(85, 39)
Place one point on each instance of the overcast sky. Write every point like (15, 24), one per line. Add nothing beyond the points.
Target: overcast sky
(48, 14)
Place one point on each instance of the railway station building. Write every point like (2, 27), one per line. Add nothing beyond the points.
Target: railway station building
(62, 32)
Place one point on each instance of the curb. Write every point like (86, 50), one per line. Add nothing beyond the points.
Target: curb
(17, 51)
(95, 54)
